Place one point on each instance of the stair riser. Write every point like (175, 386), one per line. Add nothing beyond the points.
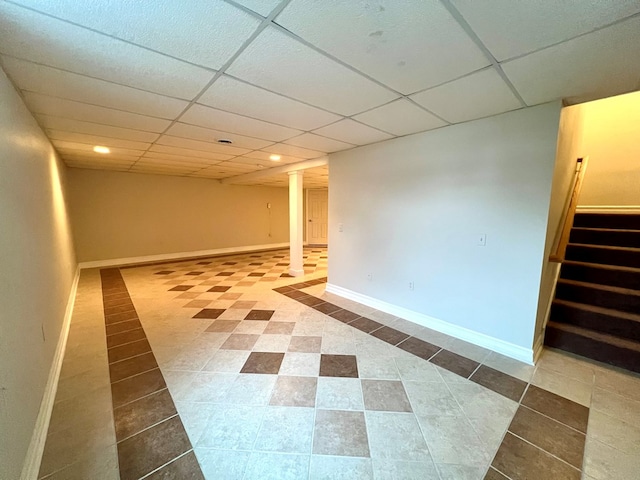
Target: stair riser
(598, 322)
(613, 239)
(602, 276)
(599, 298)
(587, 347)
(602, 256)
(599, 220)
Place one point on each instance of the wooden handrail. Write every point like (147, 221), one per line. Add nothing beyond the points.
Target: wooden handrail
(561, 248)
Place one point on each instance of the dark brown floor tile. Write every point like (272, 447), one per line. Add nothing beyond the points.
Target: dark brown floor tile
(136, 416)
(297, 294)
(125, 337)
(165, 272)
(344, 316)
(390, 335)
(117, 300)
(223, 326)
(310, 301)
(499, 382)
(338, 366)
(493, 474)
(366, 325)
(259, 315)
(553, 437)
(419, 348)
(283, 289)
(520, 460)
(218, 288)
(119, 296)
(211, 313)
(454, 363)
(229, 263)
(263, 362)
(132, 366)
(184, 468)
(194, 274)
(152, 448)
(120, 317)
(112, 310)
(326, 308)
(133, 388)
(559, 408)
(225, 274)
(385, 395)
(123, 352)
(256, 274)
(181, 288)
(123, 327)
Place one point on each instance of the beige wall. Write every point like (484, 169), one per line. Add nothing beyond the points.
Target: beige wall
(570, 147)
(36, 274)
(612, 141)
(122, 215)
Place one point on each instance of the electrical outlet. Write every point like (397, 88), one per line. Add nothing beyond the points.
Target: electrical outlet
(411, 286)
(482, 240)
(369, 276)
(341, 227)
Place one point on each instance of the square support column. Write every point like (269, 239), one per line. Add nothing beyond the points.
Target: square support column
(296, 263)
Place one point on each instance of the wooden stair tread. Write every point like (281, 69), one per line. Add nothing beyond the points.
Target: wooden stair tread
(602, 266)
(597, 336)
(604, 311)
(605, 247)
(598, 286)
(600, 229)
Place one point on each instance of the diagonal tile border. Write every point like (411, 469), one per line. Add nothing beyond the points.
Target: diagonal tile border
(151, 439)
(526, 451)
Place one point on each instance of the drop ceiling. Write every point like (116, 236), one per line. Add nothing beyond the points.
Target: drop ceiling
(160, 82)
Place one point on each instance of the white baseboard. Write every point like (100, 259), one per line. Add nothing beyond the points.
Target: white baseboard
(116, 262)
(517, 352)
(608, 209)
(33, 459)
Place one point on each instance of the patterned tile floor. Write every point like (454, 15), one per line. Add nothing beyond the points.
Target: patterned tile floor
(226, 368)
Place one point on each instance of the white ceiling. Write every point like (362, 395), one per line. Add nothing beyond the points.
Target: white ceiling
(160, 82)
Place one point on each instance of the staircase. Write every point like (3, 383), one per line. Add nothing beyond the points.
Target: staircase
(596, 311)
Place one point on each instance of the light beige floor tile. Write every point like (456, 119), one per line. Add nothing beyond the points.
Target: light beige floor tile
(324, 467)
(377, 367)
(603, 462)
(273, 466)
(102, 464)
(564, 386)
(385, 469)
(432, 399)
(617, 406)
(396, 436)
(223, 464)
(295, 363)
(510, 366)
(227, 361)
(339, 394)
(459, 472)
(417, 369)
(232, 427)
(286, 430)
(567, 365)
(622, 383)
(272, 343)
(614, 432)
(251, 390)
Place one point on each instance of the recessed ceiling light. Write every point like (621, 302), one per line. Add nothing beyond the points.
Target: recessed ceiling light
(275, 158)
(101, 149)
(226, 141)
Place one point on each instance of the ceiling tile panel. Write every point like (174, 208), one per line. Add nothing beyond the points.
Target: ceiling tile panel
(113, 157)
(353, 132)
(93, 140)
(282, 149)
(281, 64)
(202, 32)
(235, 96)
(57, 83)
(162, 159)
(478, 95)
(185, 152)
(510, 29)
(198, 145)
(66, 147)
(32, 36)
(598, 65)
(77, 126)
(263, 7)
(265, 156)
(230, 122)
(397, 43)
(53, 106)
(316, 142)
(208, 135)
(400, 118)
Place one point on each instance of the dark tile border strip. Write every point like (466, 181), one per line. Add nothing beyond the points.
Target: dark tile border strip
(151, 439)
(552, 446)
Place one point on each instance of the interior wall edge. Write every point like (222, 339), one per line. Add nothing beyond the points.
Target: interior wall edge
(511, 350)
(608, 209)
(33, 459)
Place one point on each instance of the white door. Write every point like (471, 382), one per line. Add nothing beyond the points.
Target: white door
(317, 216)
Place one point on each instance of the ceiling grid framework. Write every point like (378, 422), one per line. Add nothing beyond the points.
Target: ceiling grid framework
(160, 83)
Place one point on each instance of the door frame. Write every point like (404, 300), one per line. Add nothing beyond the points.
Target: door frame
(306, 217)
